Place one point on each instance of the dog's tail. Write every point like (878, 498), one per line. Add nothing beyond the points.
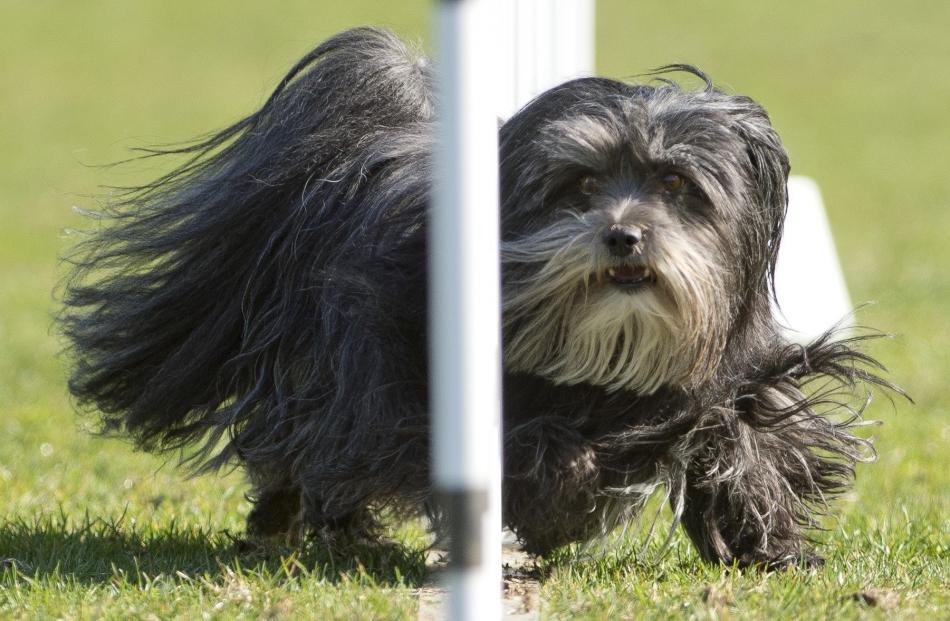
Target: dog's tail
(197, 304)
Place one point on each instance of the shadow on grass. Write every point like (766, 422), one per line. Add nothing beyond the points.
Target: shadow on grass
(98, 551)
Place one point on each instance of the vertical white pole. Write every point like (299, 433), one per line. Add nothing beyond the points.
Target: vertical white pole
(553, 41)
(465, 331)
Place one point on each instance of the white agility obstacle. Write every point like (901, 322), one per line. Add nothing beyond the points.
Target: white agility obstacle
(809, 284)
(465, 313)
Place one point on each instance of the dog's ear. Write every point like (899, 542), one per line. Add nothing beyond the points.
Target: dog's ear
(768, 169)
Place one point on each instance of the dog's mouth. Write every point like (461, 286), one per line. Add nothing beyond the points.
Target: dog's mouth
(630, 277)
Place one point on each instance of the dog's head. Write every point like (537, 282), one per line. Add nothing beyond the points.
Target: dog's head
(640, 225)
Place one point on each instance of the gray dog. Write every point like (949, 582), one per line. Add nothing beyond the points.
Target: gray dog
(266, 303)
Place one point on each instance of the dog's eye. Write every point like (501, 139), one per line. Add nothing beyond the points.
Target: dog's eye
(672, 182)
(589, 184)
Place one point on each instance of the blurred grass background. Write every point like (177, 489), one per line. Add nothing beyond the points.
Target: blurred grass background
(859, 91)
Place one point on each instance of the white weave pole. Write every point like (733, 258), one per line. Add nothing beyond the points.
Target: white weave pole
(549, 42)
(493, 56)
(465, 335)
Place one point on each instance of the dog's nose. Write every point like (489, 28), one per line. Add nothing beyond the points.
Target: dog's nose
(621, 240)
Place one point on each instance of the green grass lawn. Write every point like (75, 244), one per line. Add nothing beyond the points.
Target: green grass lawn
(91, 529)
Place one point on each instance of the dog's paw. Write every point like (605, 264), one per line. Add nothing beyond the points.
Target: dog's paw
(806, 559)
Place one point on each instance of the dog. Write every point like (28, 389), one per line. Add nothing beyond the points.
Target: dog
(265, 304)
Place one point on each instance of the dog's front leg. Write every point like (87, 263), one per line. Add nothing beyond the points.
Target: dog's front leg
(748, 494)
(551, 482)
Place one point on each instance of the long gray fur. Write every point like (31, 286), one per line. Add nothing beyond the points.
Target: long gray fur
(264, 304)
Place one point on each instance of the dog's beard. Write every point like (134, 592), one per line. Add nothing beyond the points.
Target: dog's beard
(567, 321)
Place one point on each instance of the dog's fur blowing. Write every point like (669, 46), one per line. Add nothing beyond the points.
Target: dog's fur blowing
(266, 302)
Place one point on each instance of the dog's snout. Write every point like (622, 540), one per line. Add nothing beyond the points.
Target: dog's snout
(621, 240)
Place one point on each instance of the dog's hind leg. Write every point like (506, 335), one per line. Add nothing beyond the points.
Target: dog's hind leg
(276, 514)
(283, 513)
(338, 523)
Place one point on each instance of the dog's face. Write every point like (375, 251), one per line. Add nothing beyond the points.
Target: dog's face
(640, 226)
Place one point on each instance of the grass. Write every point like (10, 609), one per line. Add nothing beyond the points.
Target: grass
(91, 529)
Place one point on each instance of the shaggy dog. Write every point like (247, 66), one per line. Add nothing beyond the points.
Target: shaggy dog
(265, 304)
